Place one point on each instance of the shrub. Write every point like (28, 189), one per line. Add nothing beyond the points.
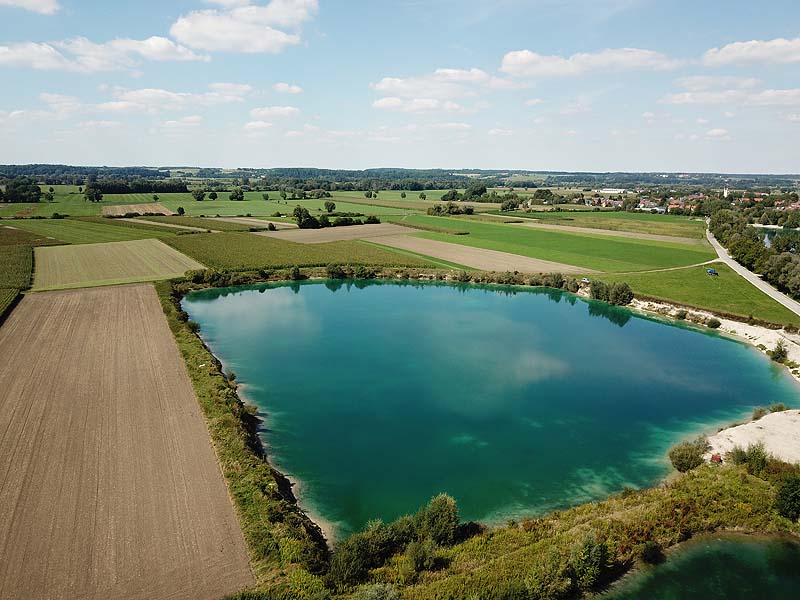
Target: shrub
(376, 591)
(271, 227)
(681, 315)
(439, 520)
(757, 459)
(336, 272)
(688, 455)
(779, 407)
(787, 502)
(620, 294)
(759, 412)
(591, 563)
(351, 562)
(181, 211)
(295, 273)
(372, 220)
(598, 290)
(780, 353)
(462, 276)
(713, 323)
(571, 285)
(651, 552)
(421, 555)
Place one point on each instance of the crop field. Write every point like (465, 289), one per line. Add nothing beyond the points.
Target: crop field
(671, 225)
(16, 264)
(7, 297)
(336, 234)
(120, 210)
(599, 253)
(203, 223)
(727, 292)
(245, 251)
(110, 488)
(75, 231)
(90, 265)
(12, 236)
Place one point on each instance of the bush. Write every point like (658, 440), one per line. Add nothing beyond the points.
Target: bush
(759, 412)
(351, 562)
(591, 563)
(271, 227)
(620, 294)
(787, 502)
(779, 407)
(439, 520)
(295, 274)
(571, 285)
(651, 552)
(598, 290)
(181, 211)
(780, 353)
(421, 555)
(376, 591)
(688, 455)
(336, 272)
(372, 220)
(713, 323)
(681, 315)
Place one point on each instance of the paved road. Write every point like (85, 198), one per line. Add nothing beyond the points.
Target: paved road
(770, 291)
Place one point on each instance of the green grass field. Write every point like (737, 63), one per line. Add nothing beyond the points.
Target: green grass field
(11, 236)
(75, 231)
(201, 223)
(727, 292)
(248, 252)
(600, 253)
(16, 265)
(635, 222)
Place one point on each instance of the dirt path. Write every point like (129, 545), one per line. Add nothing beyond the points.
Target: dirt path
(624, 234)
(337, 234)
(478, 258)
(256, 222)
(109, 486)
(169, 225)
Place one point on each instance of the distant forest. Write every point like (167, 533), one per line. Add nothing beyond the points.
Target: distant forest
(147, 179)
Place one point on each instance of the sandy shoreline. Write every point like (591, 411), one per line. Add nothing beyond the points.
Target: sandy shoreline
(779, 432)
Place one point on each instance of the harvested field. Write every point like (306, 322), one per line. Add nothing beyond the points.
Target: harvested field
(477, 258)
(91, 265)
(140, 209)
(250, 222)
(110, 487)
(338, 234)
(167, 225)
(13, 236)
(625, 234)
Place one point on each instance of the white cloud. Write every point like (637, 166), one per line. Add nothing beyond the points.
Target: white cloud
(575, 108)
(534, 102)
(245, 28)
(452, 126)
(232, 89)
(99, 125)
(256, 128)
(43, 7)
(500, 132)
(524, 63)
(701, 121)
(790, 97)
(716, 97)
(444, 84)
(717, 134)
(271, 112)
(287, 88)
(792, 117)
(153, 100)
(183, 123)
(699, 83)
(82, 55)
(777, 51)
(417, 105)
(649, 117)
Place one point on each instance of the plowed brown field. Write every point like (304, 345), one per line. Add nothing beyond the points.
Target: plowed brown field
(139, 209)
(109, 486)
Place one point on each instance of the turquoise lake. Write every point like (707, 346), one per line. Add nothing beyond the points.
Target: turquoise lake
(726, 568)
(378, 396)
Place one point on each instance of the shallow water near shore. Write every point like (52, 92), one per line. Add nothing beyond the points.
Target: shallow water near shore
(719, 568)
(379, 395)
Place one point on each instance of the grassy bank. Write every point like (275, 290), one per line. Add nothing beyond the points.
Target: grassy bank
(726, 293)
(285, 547)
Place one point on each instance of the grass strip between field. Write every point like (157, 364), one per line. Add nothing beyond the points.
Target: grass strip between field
(433, 261)
(284, 545)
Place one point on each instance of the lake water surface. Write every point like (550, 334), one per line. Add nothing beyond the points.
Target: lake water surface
(722, 568)
(377, 396)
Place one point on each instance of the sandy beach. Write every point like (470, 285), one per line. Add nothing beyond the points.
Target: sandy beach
(779, 432)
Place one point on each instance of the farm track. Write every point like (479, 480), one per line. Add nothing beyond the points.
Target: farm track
(477, 258)
(338, 234)
(109, 486)
(252, 222)
(169, 225)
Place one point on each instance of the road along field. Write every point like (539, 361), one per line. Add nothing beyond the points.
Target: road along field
(109, 486)
(477, 258)
(89, 265)
(124, 209)
(337, 234)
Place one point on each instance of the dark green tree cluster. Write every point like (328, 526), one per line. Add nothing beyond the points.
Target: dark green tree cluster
(618, 293)
(450, 208)
(21, 189)
(688, 455)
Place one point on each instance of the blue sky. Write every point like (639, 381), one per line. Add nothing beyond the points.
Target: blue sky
(589, 85)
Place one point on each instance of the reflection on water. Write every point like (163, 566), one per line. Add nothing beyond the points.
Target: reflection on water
(379, 395)
(724, 568)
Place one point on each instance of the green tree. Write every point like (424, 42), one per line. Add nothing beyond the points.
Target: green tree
(368, 194)
(439, 520)
(213, 196)
(330, 206)
(402, 195)
(304, 219)
(198, 195)
(236, 195)
(787, 501)
(423, 196)
(181, 211)
(688, 455)
(620, 294)
(265, 196)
